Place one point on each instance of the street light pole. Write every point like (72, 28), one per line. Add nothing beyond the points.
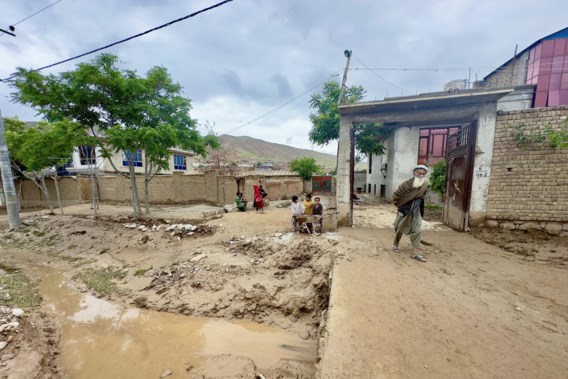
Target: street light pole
(8, 181)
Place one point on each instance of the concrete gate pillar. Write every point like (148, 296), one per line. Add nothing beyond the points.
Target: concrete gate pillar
(343, 191)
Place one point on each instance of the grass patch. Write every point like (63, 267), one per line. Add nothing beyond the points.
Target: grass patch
(51, 240)
(434, 207)
(101, 280)
(38, 233)
(142, 271)
(71, 247)
(22, 293)
(8, 268)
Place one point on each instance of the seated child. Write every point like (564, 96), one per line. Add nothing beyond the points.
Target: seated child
(241, 203)
(297, 210)
(317, 210)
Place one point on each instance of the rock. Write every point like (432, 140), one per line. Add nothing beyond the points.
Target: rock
(508, 225)
(166, 373)
(7, 297)
(197, 258)
(143, 228)
(17, 312)
(171, 227)
(553, 228)
(492, 223)
(305, 335)
(7, 357)
(3, 327)
(278, 235)
(3, 345)
(530, 226)
(188, 367)
(13, 325)
(129, 226)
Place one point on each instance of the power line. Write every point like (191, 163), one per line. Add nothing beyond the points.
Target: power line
(282, 105)
(380, 77)
(27, 18)
(127, 39)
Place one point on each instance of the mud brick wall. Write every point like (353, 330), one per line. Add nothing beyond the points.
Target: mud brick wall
(529, 183)
(164, 189)
(72, 190)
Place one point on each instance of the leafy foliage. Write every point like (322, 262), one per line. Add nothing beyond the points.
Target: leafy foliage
(134, 113)
(305, 167)
(527, 138)
(325, 122)
(438, 177)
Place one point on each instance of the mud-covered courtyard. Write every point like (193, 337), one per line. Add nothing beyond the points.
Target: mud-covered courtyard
(230, 295)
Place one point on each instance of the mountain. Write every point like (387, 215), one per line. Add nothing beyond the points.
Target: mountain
(255, 150)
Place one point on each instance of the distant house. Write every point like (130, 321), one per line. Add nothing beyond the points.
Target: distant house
(85, 159)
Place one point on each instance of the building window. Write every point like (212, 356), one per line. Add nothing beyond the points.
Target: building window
(433, 144)
(87, 155)
(179, 162)
(370, 162)
(136, 157)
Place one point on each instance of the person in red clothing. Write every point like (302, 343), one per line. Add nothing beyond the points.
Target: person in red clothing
(258, 201)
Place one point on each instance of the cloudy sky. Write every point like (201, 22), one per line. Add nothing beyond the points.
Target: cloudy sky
(243, 62)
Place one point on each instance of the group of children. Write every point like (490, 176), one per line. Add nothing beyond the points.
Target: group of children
(306, 208)
(257, 203)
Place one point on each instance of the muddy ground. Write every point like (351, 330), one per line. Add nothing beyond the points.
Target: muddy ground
(240, 266)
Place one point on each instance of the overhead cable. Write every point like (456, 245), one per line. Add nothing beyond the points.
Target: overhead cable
(282, 105)
(30, 16)
(128, 39)
(380, 77)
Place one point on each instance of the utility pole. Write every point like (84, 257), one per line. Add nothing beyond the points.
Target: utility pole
(347, 54)
(8, 181)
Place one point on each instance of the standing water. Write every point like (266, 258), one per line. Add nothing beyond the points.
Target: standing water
(104, 340)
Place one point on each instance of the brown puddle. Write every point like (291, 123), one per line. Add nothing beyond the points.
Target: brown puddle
(104, 340)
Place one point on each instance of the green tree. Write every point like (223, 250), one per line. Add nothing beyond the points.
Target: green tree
(438, 177)
(37, 151)
(325, 122)
(305, 167)
(130, 112)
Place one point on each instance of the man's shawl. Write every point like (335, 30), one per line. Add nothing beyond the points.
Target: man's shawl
(405, 193)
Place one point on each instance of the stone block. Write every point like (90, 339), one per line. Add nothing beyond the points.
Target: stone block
(553, 228)
(492, 223)
(508, 225)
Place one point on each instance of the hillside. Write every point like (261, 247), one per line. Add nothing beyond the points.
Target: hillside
(256, 150)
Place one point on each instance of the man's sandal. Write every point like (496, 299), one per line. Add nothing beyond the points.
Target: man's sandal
(418, 257)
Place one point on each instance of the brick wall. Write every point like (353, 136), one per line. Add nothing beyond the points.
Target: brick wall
(529, 183)
(509, 75)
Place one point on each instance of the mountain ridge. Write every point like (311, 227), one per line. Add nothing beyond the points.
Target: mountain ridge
(256, 150)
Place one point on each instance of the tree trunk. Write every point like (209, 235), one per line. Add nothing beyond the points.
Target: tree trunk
(43, 187)
(58, 193)
(94, 195)
(8, 181)
(146, 196)
(135, 198)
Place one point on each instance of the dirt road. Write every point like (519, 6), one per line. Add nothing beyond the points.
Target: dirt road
(473, 310)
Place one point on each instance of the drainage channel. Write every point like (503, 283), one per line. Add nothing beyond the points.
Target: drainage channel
(103, 339)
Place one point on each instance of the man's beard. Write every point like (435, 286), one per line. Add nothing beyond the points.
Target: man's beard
(418, 182)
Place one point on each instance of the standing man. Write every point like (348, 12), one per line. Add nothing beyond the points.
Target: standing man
(409, 199)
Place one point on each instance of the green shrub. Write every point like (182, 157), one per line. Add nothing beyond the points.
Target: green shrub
(438, 177)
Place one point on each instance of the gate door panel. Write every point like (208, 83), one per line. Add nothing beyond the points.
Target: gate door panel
(461, 148)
